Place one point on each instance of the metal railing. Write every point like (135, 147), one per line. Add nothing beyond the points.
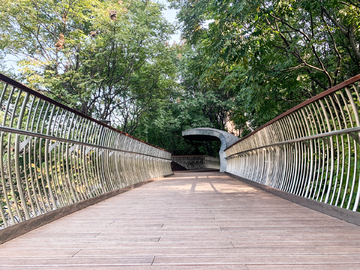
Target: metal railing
(53, 156)
(311, 150)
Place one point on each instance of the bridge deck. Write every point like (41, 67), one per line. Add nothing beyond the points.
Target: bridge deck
(202, 220)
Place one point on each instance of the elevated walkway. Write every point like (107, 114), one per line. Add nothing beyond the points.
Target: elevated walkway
(191, 220)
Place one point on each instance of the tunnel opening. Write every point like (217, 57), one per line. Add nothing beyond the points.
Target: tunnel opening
(210, 135)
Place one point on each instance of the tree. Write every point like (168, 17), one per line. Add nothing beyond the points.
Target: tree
(108, 59)
(275, 53)
(195, 103)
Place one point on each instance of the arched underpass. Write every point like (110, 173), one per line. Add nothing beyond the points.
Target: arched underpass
(212, 134)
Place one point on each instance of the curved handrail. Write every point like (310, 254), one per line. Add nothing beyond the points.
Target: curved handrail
(52, 156)
(312, 150)
(301, 105)
(23, 87)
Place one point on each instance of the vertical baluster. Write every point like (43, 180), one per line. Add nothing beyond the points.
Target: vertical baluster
(293, 155)
(62, 200)
(9, 151)
(325, 147)
(307, 113)
(301, 153)
(27, 164)
(48, 195)
(335, 121)
(48, 173)
(343, 120)
(3, 181)
(17, 155)
(283, 131)
(97, 138)
(357, 198)
(328, 181)
(357, 123)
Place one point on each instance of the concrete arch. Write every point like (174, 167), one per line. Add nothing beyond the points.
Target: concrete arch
(209, 134)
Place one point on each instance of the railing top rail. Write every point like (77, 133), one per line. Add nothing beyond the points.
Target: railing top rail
(301, 105)
(23, 87)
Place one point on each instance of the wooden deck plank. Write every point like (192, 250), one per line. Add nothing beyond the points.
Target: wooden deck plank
(192, 220)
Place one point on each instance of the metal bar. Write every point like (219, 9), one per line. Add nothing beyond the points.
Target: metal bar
(27, 165)
(307, 112)
(36, 118)
(301, 105)
(357, 198)
(322, 135)
(9, 151)
(349, 141)
(48, 173)
(58, 104)
(46, 189)
(52, 151)
(49, 137)
(311, 150)
(331, 155)
(3, 183)
(17, 154)
(52, 156)
(341, 121)
(357, 122)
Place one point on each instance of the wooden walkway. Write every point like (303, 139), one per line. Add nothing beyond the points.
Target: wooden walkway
(202, 220)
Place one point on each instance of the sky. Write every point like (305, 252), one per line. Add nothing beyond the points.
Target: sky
(170, 15)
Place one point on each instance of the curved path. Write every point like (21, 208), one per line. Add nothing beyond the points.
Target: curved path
(192, 220)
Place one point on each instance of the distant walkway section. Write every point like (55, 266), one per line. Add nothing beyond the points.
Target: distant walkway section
(212, 134)
(195, 162)
(192, 220)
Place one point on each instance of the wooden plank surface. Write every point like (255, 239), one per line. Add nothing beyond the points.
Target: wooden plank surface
(192, 220)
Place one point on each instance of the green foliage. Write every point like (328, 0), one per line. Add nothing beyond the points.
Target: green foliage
(198, 101)
(163, 126)
(242, 61)
(108, 59)
(274, 54)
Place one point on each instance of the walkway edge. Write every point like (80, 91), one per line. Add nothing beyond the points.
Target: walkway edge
(330, 210)
(31, 224)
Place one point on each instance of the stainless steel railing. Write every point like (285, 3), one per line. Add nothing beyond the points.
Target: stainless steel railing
(311, 150)
(53, 156)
